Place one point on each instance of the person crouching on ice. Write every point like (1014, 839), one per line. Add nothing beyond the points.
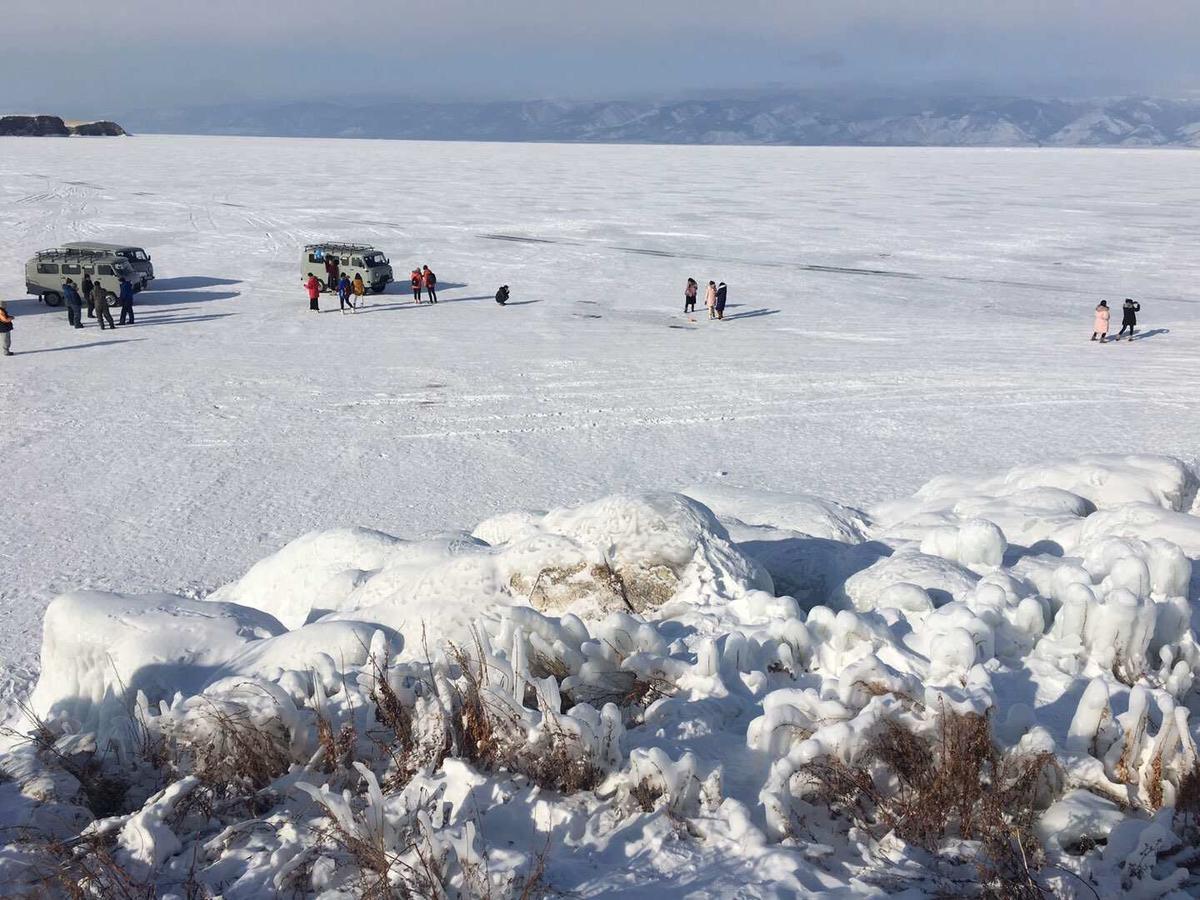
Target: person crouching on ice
(1100, 322)
(314, 292)
(502, 294)
(1129, 317)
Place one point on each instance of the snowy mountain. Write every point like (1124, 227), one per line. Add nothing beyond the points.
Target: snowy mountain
(776, 119)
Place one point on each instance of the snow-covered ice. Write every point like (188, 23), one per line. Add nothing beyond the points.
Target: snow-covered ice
(683, 565)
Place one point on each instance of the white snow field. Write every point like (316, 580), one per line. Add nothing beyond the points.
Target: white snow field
(702, 579)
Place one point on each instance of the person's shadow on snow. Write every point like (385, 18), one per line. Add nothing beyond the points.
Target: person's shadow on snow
(1153, 332)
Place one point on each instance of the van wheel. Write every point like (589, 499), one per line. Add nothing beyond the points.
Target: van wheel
(110, 299)
(51, 298)
(378, 289)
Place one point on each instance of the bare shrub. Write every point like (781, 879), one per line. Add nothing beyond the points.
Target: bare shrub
(959, 785)
(81, 870)
(103, 791)
(233, 756)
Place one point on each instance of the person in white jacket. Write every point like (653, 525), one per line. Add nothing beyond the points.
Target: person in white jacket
(710, 299)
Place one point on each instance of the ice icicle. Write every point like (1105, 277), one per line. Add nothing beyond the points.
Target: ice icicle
(1092, 712)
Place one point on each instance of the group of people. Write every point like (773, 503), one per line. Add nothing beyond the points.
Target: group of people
(714, 298)
(350, 291)
(1129, 312)
(423, 278)
(96, 297)
(345, 288)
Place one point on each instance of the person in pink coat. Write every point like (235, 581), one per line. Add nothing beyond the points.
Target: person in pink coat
(314, 291)
(1100, 323)
(710, 299)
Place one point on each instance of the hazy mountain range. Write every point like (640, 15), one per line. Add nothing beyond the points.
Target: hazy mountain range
(776, 119)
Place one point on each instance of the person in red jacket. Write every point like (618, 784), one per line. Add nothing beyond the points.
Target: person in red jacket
(415, 280)
(430, 282)
(314, 292)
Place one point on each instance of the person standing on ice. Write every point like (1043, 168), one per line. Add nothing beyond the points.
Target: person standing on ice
(331, 272)
(125, 298)
(430, 281)
(414, 279)
(720, 304)
(87, 295)
(710, 299)
(6, 326)
(1100, 323)
(1129, 317)
(344, 291)
(689, 295)
(74, 304)
(100, 301)
(314, 292)
(359, 288)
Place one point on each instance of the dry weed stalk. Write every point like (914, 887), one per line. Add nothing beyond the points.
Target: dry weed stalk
(958, 785)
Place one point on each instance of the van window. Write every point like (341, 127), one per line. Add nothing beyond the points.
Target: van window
(313, 258)
(356, 262)
(70, 269)
(106, 270)
(47, 268)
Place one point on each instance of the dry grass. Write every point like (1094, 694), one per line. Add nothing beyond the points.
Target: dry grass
(234, 758)
(956, 786)
(493, 738)
(89, 870)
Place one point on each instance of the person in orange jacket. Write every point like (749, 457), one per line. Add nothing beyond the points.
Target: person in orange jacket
(415, 280)
(6, 325)
(358, 287)
(314, 292)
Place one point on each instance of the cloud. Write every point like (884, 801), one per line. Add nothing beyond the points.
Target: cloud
(171, 51)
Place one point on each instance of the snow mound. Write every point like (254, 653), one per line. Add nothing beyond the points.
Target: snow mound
(1040, 502)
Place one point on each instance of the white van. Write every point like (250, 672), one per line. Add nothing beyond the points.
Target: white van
(137, 257)
(353, 259)
(46, 271)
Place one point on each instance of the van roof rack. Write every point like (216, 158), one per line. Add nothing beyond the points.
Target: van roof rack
(71, 251)
(339, 245)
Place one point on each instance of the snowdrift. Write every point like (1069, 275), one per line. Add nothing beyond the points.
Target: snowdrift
(986, 687)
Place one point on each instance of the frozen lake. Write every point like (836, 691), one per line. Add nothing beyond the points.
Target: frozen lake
(895, 314)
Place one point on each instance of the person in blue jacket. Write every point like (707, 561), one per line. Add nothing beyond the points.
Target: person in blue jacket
(74, 304)
(343, 291)
(125, 298)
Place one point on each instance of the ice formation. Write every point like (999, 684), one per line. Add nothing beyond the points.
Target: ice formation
(646, 685)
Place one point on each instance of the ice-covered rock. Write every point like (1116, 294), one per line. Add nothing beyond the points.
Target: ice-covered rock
(801, 513)
(100, 650)
(302, 576)
(941, 579)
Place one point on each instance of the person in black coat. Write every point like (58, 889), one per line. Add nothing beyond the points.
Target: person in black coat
(125, 298)
(74, 304)
(87, 295)
(1129, 317)
(430, 282)
(502, 294)
(720, 307)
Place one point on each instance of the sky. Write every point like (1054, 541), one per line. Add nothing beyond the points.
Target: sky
(77, 58)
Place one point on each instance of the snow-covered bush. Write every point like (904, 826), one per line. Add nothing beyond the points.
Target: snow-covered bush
(933, 698)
